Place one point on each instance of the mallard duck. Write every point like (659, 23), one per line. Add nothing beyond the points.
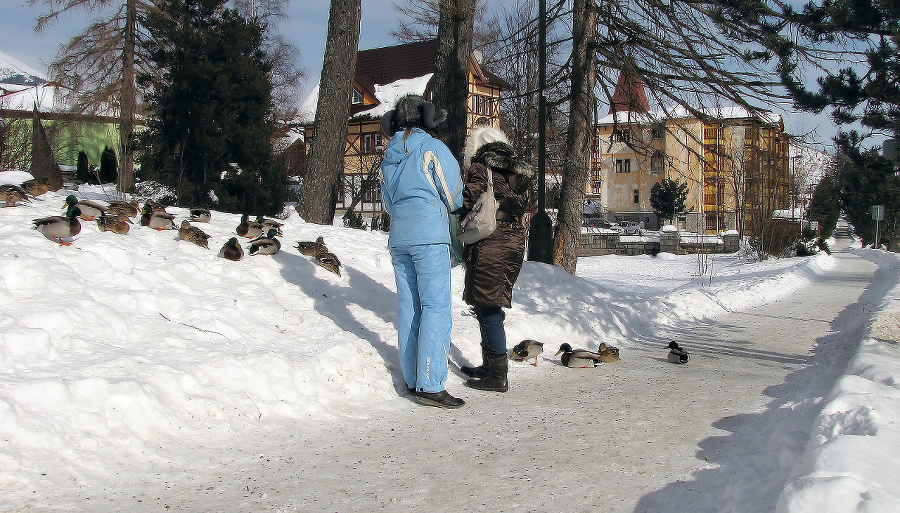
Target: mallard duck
(676, 353)
(232, 250)
(192, 234)
(267, 245)
(312, 248)
(123, 208)
(608, 353)
(56, 228)
(89, 209)
(578, 358)
(328, 261)
(527, 349)
(269, 223)
(200, 214)
(116, 224)
(36, 186)
(12, 194)
(157, 220)
(155, 207)
(248, 229)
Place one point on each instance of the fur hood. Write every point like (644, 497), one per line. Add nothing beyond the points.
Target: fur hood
(500, 155)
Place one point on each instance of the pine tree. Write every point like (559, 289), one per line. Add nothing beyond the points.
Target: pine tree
(109, 168)
(83, 169)
(210, 109)
(825, 207)
(667, 198)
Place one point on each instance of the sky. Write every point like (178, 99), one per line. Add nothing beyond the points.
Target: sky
(305, 26)
(140, 372)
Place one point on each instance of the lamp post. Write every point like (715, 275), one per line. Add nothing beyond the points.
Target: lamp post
(540, 235)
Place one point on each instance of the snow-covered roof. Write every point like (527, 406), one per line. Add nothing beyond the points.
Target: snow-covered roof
(386, 95)
(45, 98)
(680, 112)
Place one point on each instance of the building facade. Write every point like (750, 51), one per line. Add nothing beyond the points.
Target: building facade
(735, 165)
(382, 76)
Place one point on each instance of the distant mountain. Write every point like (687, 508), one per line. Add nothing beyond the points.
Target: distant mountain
(15, 72)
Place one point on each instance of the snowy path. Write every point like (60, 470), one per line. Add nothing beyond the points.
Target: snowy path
(719, 434)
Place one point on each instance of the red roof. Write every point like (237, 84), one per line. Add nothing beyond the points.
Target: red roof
(629, 95)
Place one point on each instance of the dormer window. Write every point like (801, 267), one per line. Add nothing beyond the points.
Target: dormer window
(356, 97)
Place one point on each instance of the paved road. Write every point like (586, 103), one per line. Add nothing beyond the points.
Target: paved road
(641, 435)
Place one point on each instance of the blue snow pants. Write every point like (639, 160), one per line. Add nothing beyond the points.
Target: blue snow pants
(422, 273)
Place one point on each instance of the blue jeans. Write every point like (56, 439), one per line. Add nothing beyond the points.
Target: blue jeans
(422, 273)
(490, 322)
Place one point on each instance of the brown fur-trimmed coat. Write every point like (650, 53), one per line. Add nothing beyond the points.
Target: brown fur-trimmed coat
(493, 263)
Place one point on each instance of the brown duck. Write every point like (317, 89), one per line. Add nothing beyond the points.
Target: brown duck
(192, 234)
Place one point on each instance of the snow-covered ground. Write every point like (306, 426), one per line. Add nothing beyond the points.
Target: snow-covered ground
(120, 348)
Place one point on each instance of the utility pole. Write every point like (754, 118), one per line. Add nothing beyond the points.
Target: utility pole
(540, 235)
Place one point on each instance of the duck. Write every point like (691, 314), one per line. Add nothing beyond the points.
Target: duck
(192, 234)
(89, 209)
(527, 349)
(12, 194)
(56, 228)
(578, 358)
(123, 208)
(676, 353)
(231, 250)
(312, 248)
(329, 261)
(608, 353)
(269, 223)
(116, 224)
(267, 245)
(155, 207)
(158, 220)
(36, 186)
(200, 214)
(248, 229)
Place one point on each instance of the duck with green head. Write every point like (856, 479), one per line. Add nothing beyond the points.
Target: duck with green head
(249, 229)
(578, 358)
(89, 209)
(231, 250)
(156, 219)
(56, 228)
(267, 245)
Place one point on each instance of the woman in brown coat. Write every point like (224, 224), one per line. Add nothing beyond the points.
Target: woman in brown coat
(493, 263)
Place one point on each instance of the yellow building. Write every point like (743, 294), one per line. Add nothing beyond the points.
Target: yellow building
(382, 76)
(735, 165)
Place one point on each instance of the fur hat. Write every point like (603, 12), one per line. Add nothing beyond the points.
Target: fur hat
(412, 110)
(478, 138)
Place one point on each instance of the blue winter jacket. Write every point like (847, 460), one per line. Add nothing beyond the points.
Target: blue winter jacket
(420, 186)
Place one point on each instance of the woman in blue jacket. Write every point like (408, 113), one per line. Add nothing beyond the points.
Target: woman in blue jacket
(420, 186)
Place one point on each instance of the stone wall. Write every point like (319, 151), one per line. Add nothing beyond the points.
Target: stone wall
(597, 244)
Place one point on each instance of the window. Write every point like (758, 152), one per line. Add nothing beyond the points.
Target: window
(483, 105)
(356, 97)
(623, 165)
(658, 132)
(637, 196)
(621, 135)
(657, 162)
(371, 142)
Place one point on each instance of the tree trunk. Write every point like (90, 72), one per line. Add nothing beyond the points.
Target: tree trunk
(127, 103)
(326, 150)
(451, 73)
(567, 242)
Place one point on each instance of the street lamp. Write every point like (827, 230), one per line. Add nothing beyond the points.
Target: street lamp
(540, 235)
